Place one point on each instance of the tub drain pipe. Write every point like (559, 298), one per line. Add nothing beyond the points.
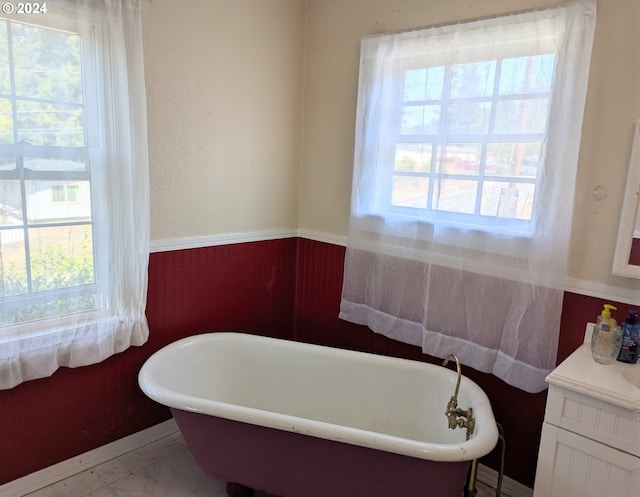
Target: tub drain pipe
(504, 448)
(470, 489)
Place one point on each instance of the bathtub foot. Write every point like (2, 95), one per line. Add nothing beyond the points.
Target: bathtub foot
(237, 490)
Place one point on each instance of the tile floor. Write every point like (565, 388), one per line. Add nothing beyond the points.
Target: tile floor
(162, 469)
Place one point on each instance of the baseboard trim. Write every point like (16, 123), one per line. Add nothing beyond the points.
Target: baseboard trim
(52, 474)
(509, 488)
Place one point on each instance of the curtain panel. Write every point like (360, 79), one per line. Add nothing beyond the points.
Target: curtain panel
(94, 159)
(467, 142)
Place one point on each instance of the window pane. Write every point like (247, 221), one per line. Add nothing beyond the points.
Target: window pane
(58, 201)
(46, 64)
(58, 193)
(61, 257)
(43, 70)
(420, 120)
(469, 118)
(521, 116)
(507, 200)
(518, 160)
(13, 270)
(454, 195)
(6, 121)
(69, 194)
(410, 191)
(41, 123)
(51, 307)
(63, 165)
(7, 164)
(531, 74)
(413, 157)
(473, 80)
(10, 203)
(462, 158)
(423, 84)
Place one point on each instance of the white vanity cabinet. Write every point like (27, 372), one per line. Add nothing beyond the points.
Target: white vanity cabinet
(590, 445)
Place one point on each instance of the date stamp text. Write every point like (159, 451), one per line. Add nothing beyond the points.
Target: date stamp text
(24, 8)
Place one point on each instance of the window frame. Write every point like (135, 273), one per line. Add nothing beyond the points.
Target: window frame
(92, 154)
(381, 207)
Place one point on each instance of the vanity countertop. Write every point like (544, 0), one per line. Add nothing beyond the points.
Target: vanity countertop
(581, 373)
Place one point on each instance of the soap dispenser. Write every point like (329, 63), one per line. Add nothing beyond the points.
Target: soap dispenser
(607, 337)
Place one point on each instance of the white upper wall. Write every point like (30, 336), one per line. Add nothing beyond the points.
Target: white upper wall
(224, 93)
(334, 30)
(232, 152)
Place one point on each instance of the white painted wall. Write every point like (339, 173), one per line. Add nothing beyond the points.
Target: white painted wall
(251, 108)
(224, 93)
(334, 30)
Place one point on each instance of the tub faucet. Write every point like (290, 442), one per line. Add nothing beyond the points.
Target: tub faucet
(456, 417)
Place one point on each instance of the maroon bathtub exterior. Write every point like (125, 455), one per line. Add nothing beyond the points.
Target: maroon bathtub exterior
(289, 464)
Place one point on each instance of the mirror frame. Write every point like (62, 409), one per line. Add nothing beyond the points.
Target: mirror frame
(630, 204)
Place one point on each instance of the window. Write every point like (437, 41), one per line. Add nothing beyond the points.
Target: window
(46, 225)
(465, 160)
(457, 135)
(66, 193)
(469, 139)
(74, 187)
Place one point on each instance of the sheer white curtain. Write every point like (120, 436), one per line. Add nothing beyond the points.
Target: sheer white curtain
(84, 142)
(467, 141)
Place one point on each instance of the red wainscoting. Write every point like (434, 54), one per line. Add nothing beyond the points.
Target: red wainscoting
(245, 286)
(284, 288)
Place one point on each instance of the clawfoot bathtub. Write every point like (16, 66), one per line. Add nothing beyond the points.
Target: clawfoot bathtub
(302, 420)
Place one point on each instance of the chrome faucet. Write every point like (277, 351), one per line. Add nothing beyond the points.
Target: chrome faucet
(456, 417)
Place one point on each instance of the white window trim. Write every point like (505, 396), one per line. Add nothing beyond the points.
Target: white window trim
(92, 154)
(120, 210)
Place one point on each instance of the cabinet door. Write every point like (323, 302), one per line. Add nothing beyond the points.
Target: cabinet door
(594, 419)
(571, 465)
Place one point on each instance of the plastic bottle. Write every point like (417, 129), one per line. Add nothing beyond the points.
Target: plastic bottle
(607, 337)
(630, 336)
